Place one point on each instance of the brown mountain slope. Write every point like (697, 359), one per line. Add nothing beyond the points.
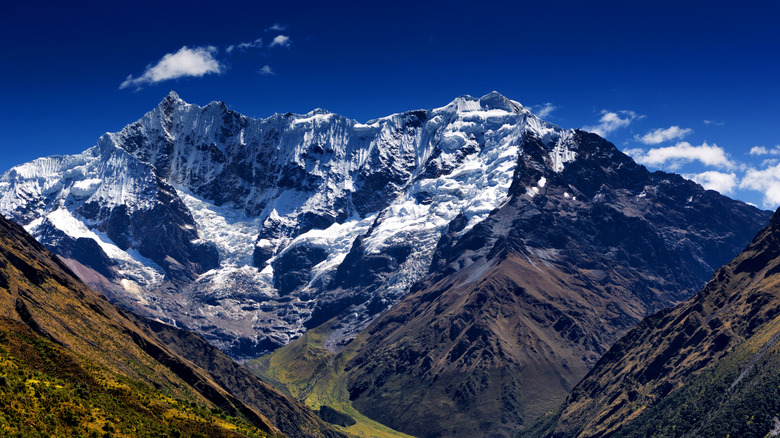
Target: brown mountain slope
(506, 346)
(516, 310)
(37, 289)
(707, 367)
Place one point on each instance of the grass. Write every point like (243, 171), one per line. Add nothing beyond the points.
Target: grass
(46, 390)
(307, 371)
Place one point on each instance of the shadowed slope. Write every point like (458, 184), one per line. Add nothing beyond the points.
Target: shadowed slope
(707, 367)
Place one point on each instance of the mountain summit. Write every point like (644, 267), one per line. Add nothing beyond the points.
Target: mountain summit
(238, 227)
(249, 231)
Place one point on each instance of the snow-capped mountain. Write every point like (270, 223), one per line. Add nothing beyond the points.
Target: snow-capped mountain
(248, 230)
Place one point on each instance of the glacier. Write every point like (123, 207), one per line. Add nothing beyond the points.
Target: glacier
(250, 231)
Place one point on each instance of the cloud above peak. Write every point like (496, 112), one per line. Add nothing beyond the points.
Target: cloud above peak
(256, 44)
(543, 111)
(280, 41)
(673, 157)
(723, 183)
(661, 135)
(766, 181)
(611, 121)
(193, 62)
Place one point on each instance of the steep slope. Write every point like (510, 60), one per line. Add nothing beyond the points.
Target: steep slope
(708, 367)
(47, 390)
(250, 231)
(55, 326)
(515, 310)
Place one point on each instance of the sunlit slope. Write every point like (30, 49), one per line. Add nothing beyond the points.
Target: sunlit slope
(306, 370)
(74, 325)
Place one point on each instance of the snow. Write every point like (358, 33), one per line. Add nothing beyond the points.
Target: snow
(131, 264)
(337, 239)
(85, 188)
(562, 152)
(230, 229)
(474, 142)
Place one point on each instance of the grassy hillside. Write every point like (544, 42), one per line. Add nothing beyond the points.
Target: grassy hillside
(738, 397)
(46, 390)
(307, 371)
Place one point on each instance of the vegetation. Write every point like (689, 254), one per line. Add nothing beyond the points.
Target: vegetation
(738, 397)
(307, 371)
(47, 391)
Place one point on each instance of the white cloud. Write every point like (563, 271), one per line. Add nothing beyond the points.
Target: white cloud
(280, 41)
(610, 121)
(661, 135)
(769, 162)
(544, 110)
(196, 62)
(634, 152)
(763, 150)
(672, 157)
(724, 183)
(256, 44)
(712, 122)
(277, 27)
(766, 181)
(758, 150)
(266, 71)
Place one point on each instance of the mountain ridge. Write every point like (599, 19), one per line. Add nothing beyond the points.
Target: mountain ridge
(239, 198)
(483, 259)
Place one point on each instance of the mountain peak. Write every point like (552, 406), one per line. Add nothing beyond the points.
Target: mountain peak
(170, 101)
(172, 95)
(495, 100)
(491, 101)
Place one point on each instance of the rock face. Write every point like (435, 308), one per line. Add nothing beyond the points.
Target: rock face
(516, 309)
(249, 231)
(139, 357)
(708, 367)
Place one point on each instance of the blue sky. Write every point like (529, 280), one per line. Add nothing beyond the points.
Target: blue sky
(690, 87)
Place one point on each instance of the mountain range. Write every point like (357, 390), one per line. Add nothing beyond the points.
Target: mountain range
(245, 230)
(446, 272)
